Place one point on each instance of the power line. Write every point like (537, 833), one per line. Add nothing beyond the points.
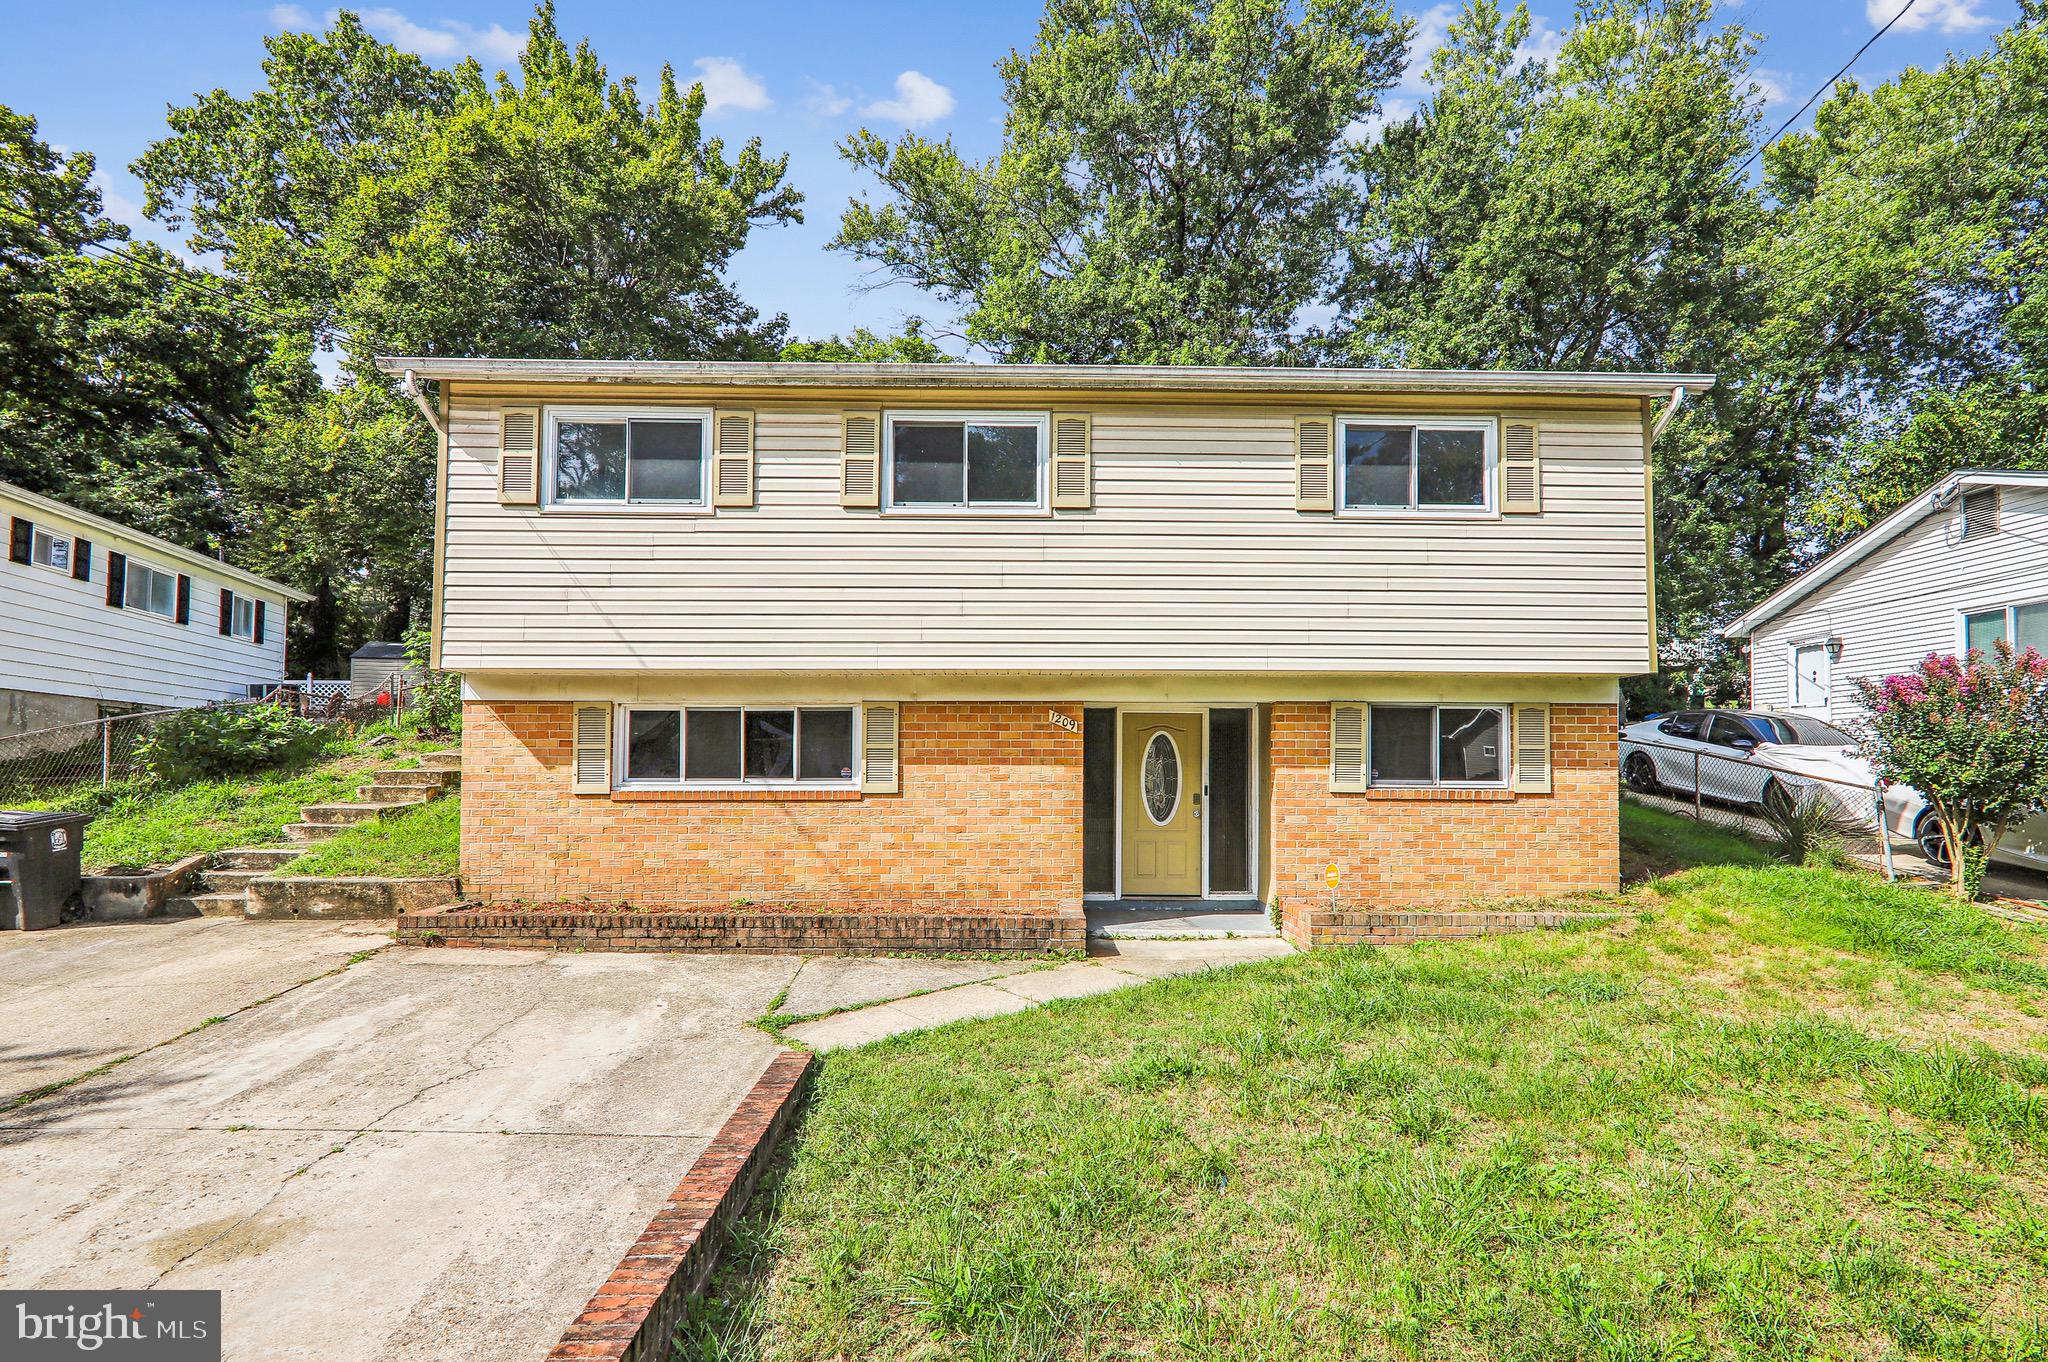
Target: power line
(199, 279)
(1825, 86)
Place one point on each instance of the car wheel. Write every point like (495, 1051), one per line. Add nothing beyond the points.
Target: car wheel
(1777, 800)
(1932, 839)
(1641, 773)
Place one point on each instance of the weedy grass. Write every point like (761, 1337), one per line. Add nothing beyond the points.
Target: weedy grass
(415, 842)
(138, 823)
(1777, 1112)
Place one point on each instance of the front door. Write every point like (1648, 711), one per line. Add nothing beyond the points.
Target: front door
(1162, 798)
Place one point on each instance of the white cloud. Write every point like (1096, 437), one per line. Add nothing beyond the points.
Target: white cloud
(1950, 16)
(1392, 109)
(1432, 30)
(117, 205)
(919, 100)
(1543, 42)
(291, 18)
(728, 85)
(451, 38)
(825, 102)
(1771, 85)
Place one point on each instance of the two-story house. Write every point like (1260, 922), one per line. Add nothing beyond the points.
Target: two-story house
(891, 639)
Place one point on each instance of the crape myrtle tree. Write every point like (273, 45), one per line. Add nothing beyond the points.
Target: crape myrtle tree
(1971, 734)
(388, 207)
(1166, 188)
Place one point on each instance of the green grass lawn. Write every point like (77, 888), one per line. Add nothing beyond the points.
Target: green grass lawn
(422, 841)
(138, 824)
(1775, 1113)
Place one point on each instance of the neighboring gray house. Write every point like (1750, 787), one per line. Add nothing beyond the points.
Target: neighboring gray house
(372, 666)
(1960, 565)
(97, 617)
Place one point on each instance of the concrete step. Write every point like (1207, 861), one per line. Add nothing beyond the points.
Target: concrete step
(355, 813)
(255, 858)
(207, 905)
(442, 761)
(401, 790)
(415, 775)
(314, 832)
(220, 881)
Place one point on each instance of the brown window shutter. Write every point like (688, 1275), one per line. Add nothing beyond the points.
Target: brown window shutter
(1347, 747)
(732, 458)
(20, 538)
(519, 456)
(1315, 463)
(1073, 461)
(860, 459)
(227, 610)
(591, 759)
(259, 623)
(117, 579)
(81, 560)
(184, 599)
(1521, 468)
(1532, 749)
(880, 749)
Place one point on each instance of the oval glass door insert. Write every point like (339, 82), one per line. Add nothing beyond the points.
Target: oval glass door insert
(1160, 782)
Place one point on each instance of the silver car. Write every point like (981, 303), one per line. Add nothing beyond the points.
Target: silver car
(1908, 814)
(1748, 757)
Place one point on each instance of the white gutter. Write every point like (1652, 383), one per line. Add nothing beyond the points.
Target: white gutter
(410, 385)
(1080, 377)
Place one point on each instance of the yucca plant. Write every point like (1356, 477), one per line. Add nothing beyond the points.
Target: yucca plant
(1808, 828)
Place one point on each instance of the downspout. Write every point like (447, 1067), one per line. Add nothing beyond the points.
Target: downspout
(410, 386)
(1663, 417)
(1650, 511)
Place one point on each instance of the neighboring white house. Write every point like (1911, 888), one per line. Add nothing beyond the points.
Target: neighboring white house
(96, 616)
(1960, 565)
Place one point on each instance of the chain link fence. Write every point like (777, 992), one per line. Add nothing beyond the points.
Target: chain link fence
(1755, 797)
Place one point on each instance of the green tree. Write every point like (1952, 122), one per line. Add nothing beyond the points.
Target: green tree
(1586, 213)
(126, 377)
(864, 346)
(1164, 190)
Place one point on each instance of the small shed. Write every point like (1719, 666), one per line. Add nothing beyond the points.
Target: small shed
(372, 667)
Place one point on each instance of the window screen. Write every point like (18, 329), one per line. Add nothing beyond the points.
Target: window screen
(964, 463)
(1230, 778)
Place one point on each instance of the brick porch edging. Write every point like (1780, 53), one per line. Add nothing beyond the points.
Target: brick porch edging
(634, 1315)
(751, 932)
(1367, 927)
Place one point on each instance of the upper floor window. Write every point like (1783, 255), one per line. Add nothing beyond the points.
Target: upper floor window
(50, 550)
(241, 614)
(1426, 465)
(151, 589)
(2024, 626)
(942, 461)
(613, 457)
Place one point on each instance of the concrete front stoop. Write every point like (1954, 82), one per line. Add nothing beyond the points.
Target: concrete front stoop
(222, 888)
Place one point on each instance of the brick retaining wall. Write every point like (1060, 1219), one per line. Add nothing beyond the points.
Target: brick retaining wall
(1365, 927)
(748, 932)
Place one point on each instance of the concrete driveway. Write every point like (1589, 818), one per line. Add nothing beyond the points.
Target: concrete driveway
(427, 1154)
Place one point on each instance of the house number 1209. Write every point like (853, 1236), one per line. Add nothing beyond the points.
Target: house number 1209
(1060, 720)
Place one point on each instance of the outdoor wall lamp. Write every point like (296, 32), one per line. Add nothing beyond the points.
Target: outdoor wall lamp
(1833, 644)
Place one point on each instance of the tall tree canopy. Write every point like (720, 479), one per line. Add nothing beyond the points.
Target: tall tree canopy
(392, 208)
(126, 377)
(1164, 192)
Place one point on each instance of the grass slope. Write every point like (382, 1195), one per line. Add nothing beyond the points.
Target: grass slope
(138, 824)
(1778, 1113)
(422, 841)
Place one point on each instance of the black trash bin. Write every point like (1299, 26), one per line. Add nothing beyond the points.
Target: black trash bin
(38, 867)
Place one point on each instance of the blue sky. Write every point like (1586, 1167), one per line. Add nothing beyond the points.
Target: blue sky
(800, 76)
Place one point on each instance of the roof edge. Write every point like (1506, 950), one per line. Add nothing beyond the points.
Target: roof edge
(1870, 540)
(1080, 377)
(176, 552)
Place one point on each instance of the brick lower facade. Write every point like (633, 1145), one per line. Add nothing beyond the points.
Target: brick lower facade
(1409, 849)
(989, 821)
(989, 817)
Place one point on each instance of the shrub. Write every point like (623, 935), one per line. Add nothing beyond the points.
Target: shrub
(1971, 734)
(437, 697)
(208, 744)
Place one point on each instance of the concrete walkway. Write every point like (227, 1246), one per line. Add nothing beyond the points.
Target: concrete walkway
(991, 990)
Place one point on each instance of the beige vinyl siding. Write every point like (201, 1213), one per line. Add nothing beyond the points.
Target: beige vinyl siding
(1192, 558)
(1906, 601)
(58, 635)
